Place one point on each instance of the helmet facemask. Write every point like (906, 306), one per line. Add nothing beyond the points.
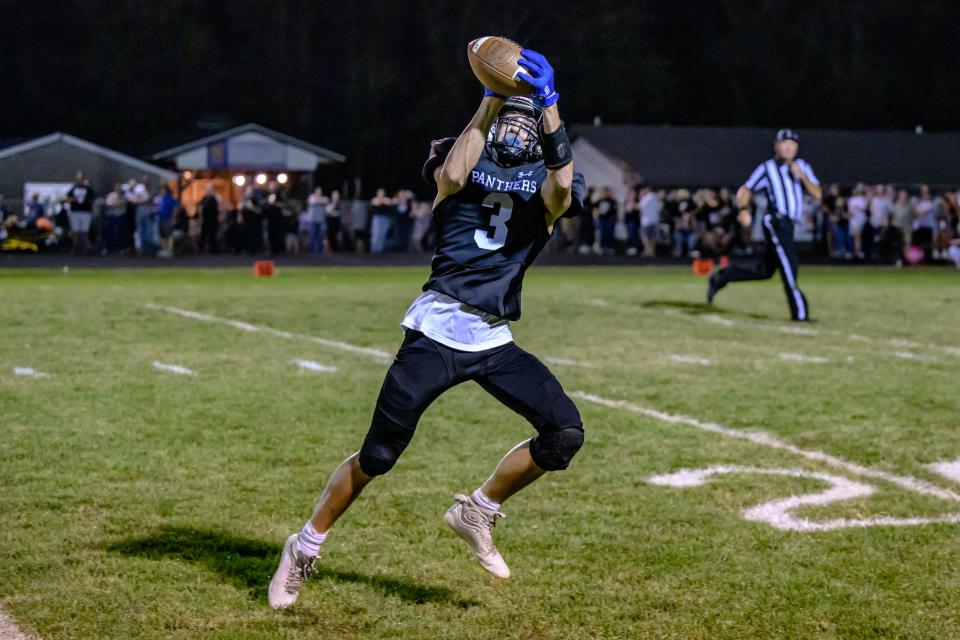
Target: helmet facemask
(515, 134)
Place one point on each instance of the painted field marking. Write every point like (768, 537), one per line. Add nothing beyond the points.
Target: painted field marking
(762, 438)
(807, 331)
(949, 469)
(310, 365)
(910, 355)
(249, 327)
(598, 302)
(799, 357)
(714, 318)
(906, 344)
(10, 631)
(798, 331)
(685, 359)
(243, 326)
(778, 513)
(173, 368)
(29, 373)
(564, 362)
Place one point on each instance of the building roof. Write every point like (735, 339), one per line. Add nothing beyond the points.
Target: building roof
(9, 142)
(252, 127)
(715, 156)
(86, 145)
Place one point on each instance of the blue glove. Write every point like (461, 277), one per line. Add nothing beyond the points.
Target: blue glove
(487, 93)
(540, 77)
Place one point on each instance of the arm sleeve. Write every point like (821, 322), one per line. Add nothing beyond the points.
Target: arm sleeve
(438, 154)
(757, 179)
(578, 193)
(807, 169)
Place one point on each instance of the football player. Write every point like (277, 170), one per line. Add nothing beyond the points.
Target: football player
(501, 186)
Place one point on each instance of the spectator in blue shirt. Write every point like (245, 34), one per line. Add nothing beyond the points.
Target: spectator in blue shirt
(165, 204)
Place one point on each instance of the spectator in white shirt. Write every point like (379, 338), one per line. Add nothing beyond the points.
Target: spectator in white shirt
(650, 208)
(857, 210)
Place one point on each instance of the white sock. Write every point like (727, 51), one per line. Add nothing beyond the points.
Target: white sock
(485, 502)
(309, 540)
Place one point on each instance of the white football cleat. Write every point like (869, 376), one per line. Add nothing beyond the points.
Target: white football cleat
(294, 569)
(473, 524)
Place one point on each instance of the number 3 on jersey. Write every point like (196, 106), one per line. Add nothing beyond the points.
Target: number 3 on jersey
(502, 208)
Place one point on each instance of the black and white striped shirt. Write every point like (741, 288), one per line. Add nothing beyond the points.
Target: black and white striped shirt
(784, 192)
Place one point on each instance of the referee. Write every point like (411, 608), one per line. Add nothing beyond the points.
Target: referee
(784, 178)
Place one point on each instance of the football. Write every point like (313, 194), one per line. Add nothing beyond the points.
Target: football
(494, 61)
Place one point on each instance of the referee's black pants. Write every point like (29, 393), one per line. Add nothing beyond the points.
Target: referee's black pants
(781, 254)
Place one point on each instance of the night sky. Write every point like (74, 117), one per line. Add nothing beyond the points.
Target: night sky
(377, 80)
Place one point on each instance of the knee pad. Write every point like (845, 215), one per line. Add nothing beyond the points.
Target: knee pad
(383, 446)
(377, 458)
(553, 450)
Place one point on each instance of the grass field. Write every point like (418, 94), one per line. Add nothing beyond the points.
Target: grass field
(142, 503)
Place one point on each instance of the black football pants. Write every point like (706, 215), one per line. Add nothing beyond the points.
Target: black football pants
(781, 254)
(424, 369)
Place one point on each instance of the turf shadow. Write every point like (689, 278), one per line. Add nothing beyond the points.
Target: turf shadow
(700, 308)
(248, 563)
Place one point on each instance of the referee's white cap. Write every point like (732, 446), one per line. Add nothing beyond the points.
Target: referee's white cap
(787, 134)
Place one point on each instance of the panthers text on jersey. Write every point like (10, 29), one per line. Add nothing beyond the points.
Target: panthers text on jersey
(490, 232)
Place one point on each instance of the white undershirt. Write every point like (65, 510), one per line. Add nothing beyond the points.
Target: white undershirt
(456, 324)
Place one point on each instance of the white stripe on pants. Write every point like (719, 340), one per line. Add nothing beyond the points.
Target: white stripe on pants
(787, 269)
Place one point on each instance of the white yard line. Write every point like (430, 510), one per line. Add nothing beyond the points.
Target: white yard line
(949, 469)
(809, 331)
(252, 328)
(909, 483)
(684, 359)
(798, 331)
(310, 365)
(29, 373)
(173, 368)
(906, 344)
(714, 318)
(910, 355)
(564, 362)
(799, 357)
(10, 631)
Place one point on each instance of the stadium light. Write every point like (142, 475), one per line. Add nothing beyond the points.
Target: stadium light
(239, 180)
(282, 178)
(261, 178)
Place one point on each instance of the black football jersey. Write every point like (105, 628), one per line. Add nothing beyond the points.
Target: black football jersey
(490, 232)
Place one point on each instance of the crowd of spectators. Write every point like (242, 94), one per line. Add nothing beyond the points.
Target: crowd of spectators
(656, 222)
(868, 223)
(871, 223)
(140, 218)
(880, 223)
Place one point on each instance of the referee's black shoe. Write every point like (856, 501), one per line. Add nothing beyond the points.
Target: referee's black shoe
(714, 285)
